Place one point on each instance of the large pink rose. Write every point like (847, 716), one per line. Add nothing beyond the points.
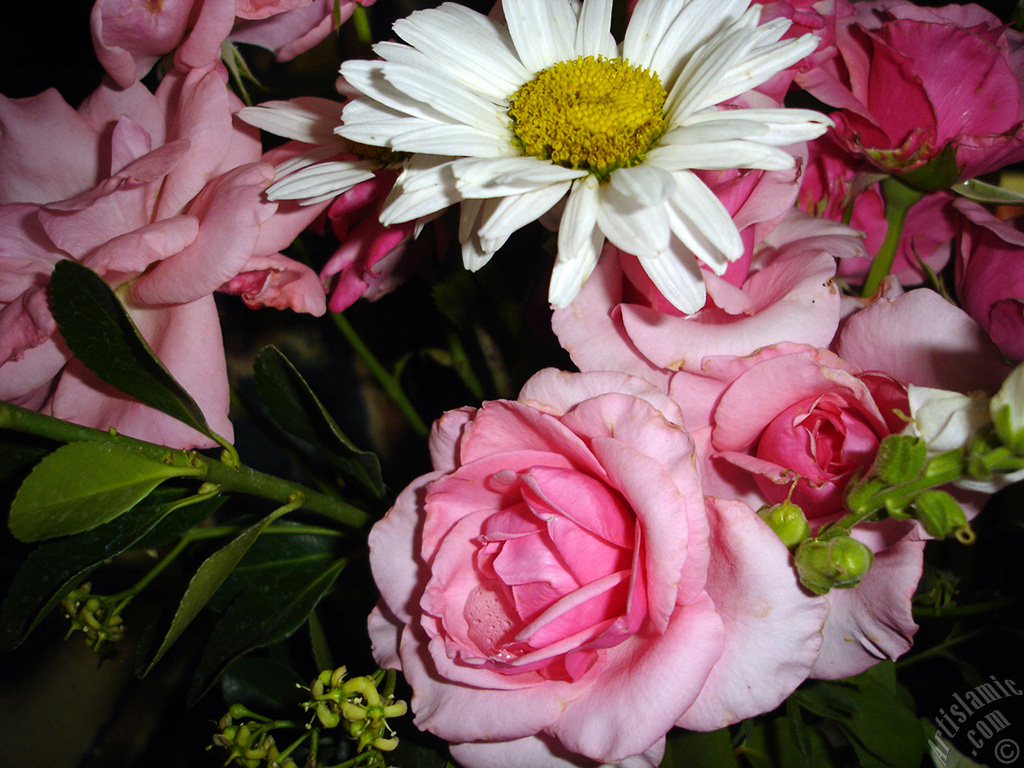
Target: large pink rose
(559, 591)
(910, 81)
(990, 275)
(162, 195)
(131, 35)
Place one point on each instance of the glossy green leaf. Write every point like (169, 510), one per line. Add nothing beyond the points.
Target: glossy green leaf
(275, 606)
(54, 568)
(98, 330)
(298, 410)
(82, 485)
(979, 191)
(208, 579)
(883, 731)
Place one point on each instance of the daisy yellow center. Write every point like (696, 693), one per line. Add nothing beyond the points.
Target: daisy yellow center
(593, 114)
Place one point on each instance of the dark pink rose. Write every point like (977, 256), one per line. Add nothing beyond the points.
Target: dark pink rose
(561, 564)
(909, 81)
(131, 35)
(833, 178)
(162, 195)
(990, 275)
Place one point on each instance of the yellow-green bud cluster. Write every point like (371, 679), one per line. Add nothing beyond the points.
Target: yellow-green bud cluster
(359, 704)
(97, 617)
(249, 745)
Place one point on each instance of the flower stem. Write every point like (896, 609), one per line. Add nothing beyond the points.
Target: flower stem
(389, 383)
(238, 479)
(899, 199)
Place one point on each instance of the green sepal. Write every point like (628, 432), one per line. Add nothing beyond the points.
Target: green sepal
(83, 485)
(939, 173)
(298, 410)
(990, 194)
(98, 330)
(900, 458)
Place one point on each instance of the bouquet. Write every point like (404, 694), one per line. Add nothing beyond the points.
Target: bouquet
(552, 383)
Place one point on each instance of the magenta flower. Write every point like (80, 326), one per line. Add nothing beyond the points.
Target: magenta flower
(910, 81)
(161, 194)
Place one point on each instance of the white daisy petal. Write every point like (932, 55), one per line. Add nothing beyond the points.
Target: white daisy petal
(486, 60)
(647, 26)
(508, 176)
(500, 217)
(543, 31)
(702, 223)
(720, 155)
(758, 68)
(679, 279)
(369, 78)
(646, 185)
(448, 97)
(777, 127)
(425, 186)
(304, 160)
(697, 131)
(449, 139)
(322, 181)
(593, 35)
(473, 254)
(632, 227)
(308, 119)
(469, 214)
(579, 242)
(697, 22)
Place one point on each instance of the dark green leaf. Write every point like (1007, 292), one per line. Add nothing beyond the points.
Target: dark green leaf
(98, 330)
(82, 485)
(15, 459)
(54, 568)
(276, 592)
(208, 579)
(692, 749)
(296, 408)
(883, 731)
(263, 685)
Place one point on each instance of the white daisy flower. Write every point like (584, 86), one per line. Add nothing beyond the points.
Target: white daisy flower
(509, 119)
(310, 177)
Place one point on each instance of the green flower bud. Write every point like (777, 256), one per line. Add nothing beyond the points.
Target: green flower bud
(859, 495)
(837, 562)
(788, 521)
(900, 458)
(941, 516)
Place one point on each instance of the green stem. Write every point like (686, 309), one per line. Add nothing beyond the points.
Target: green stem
(237, 479)
(463, 368)
(899, 199)
(156, 570)
(973, 609)
(389, 383)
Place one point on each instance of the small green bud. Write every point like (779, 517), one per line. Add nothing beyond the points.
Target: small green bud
(859, 495)
(837, 562)
(1007, 411)
(941, 516)
(900, 458)
(788, 521)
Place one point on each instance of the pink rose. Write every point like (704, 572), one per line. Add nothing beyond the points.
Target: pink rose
(910, 81)
(990, 275)
(561, 564)
(782, 292)
(162, 195)
(131, 35)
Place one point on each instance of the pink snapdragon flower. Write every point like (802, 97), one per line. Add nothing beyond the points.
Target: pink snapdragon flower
(910, 81)
(131, 35)
(561, 563)
(161, 194)
(990, 275)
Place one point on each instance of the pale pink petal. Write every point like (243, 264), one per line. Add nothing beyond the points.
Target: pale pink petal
(872, 622)
(772, 625)
(279, 282)
(130, 35)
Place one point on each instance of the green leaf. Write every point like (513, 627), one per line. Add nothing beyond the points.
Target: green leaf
(208, 579)
(51, 570)
(98, 330)
(275, 606)
(883, 731)
(263, 685)
(82, 485)
(692, 749)
(979, 191)
(296, 408)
